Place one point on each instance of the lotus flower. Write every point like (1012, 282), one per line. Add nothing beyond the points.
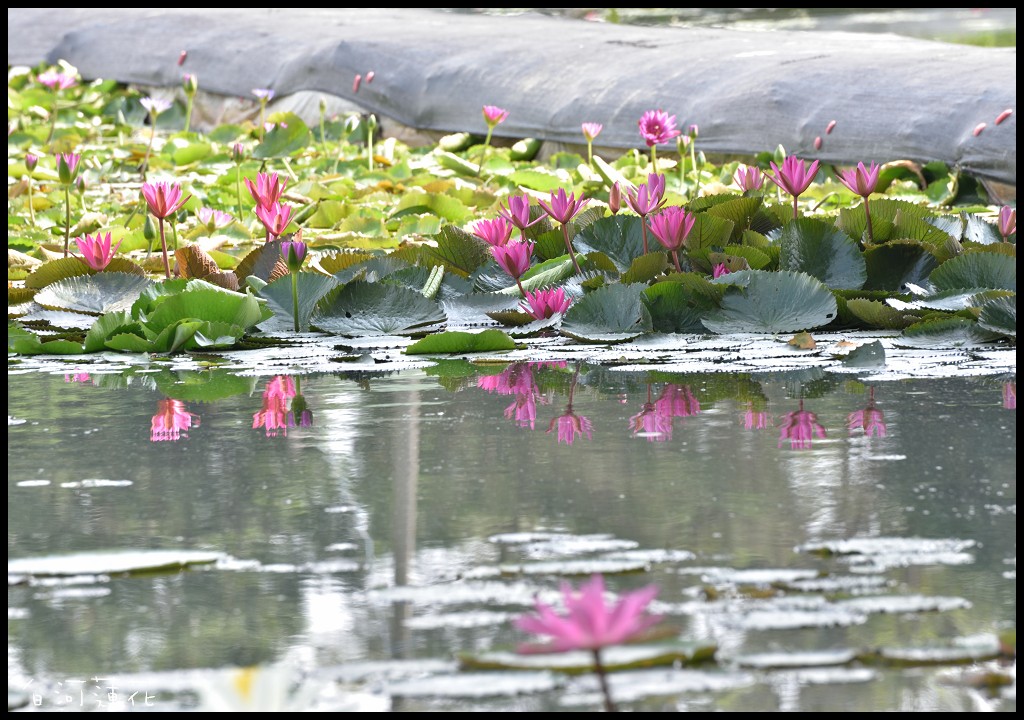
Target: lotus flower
(799, 427)
(672, 226)
(542, 304)
(514, 258)
(213, 219)
(494, 232)
(748, 178)
(518, 213)
(164, 198)
(494, 115)
(57, 80)
(657, 127)
(96, 250)
(794, 177)
(719, 270)
(861, 180)
(275, 219)
(563, 208)
(267, 190)
(1007, 221)
(646, 199)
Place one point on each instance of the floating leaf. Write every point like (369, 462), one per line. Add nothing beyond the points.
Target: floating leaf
(976, 270)
(877, 314)
(288, 137)
(99, 293)
(457, 250)
(443, 206)
(115, 562)
(109, 325)
(870, 354)
(1000, 316)
(613, 313)
(949, 332)
(740, 212)
(537, 179)
(771, 302)
(311, 288)
(679, 306)
(264, 262)
(361, 308)
(615, 658)
(194, 263)
(646, 267)
(817, 248)
(336, 262)
(803, 341)
(619, 237)
(205, 302)
(893, 265)
(461, 342)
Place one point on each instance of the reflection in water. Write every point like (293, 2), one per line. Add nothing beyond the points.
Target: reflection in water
(517, 379)
(274, 416)
(1010, 395)
(570, 424)
(799, 426)
(172, 421)
(77, 378)
(870, 418)
(654, 421)
(756, 419)
(299, 415)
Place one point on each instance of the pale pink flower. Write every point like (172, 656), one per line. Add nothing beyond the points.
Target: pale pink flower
(591, 130)
(748, 178)
(57, 80)
(860, 180)
(756, 419)
(494, 115)
(1007, 221)
(589, 622)
(213, 219)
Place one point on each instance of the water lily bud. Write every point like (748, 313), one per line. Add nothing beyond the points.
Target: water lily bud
(181, 58)
(817, 143)
(190, 83)
(238, 152)
(615, 198)
(149, 229)
(80, 184)
(323, 104)
(31, 161)
(67, 167)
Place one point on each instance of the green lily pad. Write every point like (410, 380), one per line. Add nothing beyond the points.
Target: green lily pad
(311, 288)
(461, 342)
(877, 314)
(115, 562)
(817, 248)
(616, 658)
(949, 332)
(999, 315)
(771, 302)
(619, 237)
(288, 137)
(613, 313)
(976, 270)
(680, 304)
(99, 293)
(362, 308)
(893, 265)
(459, 252)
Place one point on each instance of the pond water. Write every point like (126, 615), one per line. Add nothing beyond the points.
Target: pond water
(365, 539)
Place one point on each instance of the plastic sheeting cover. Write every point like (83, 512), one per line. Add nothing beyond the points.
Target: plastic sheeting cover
(892, 97)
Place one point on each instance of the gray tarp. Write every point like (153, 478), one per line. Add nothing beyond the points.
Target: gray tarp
(892, 97)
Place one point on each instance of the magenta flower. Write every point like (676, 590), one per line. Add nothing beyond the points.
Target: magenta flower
(31, 160)
(96, 250)
(517, 379)
(861, 180)
(615, 198)
(514, 258)
(1010, 396)
(294, 254)
(646, 199)
(1007, 221)
(518, 213)
(719, 270)
(657, 127)
(213, 219)
(794, 177)
(267, 190)
(591, 130)
(494, 115)
(563, 208)
(672, 226)
(799, 427)
(748, 178)
(589, 623)
(870, 419)
(275, 218)
(164, 198)
(542, 304)
(67, 168)
(57, 80)
(493, 232)
(77, 378)
(172, 421)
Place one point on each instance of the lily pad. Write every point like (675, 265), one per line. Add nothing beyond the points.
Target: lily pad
(362, 308)
(976, 270)
(115, 562)
(893, 265)
(613, 313)
(311, 288)
(619, 237)
(999, 315)
(476, 685)
(100, 293)
(616, 658)
(818, 249)
(771, 302)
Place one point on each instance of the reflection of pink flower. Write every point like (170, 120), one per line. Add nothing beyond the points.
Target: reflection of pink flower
(870, 418)
(299, 415)
(517, 379)
(570, 425)
(172, 421)
(677, 401)
(1010, 395)
(654, 425)
(589, 623)
(799, 427)
(77, 378)
(756, 419)
(274, 416)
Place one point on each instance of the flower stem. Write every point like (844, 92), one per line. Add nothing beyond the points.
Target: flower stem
(522, 291)
(288, 167)
(643, 227)
(696, 172)
(323, 134)
(67, 218)
(654, 159)
(53, 119)
(369, 147)
(590, 153)
(602, 678)
(149, 148)
(188, 111)
(675, 258)
(174, 235)
(263, 112)
(31, 206)
(295, 300)
(796, 215)
(867, 214)
(483, 153)
(238, 189)
(568, 246)
(163, 245)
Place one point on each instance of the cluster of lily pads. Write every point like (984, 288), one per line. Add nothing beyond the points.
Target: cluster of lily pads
(340, 232)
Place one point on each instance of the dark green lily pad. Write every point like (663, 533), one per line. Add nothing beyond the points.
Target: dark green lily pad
(949, 332)
(619, 237)
(679, 304)
(819, 249)
(893, 265)
(771, 302)
(289, 136)
(870, 354)
(613, 313)
(616, 658)
(877, 314)
(99, 293)
(362, 308)
(999, 315)
(976, 270)
(457, 250)
(311, 288)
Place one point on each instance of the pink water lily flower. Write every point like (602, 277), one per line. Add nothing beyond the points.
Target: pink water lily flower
(164, 198)
(1007, 221)
(648, 197)
(518, 213)
(672, 226)
(213, 219)
(155, 106)
(275, 218)
(494, 115)
(861, 180)
(267, 190)
(96, 250)
(563, 208)
(57, 80)
(67, 167)
(748, 178)
(794, 177)
(657, 127)
(513, 257)
(719, 270)
(493, 232)
(589, 622)
(542, 304)
(591, 130)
